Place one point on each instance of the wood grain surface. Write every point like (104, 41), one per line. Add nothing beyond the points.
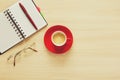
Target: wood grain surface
(95, 53)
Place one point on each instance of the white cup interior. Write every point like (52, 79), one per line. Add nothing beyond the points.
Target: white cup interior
(58, 38)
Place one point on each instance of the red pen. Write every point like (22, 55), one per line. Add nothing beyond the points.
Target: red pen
(27, 15)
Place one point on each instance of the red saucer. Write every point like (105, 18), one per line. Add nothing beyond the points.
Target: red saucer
(56, 49)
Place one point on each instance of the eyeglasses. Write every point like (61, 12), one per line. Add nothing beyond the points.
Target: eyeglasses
(20, 52)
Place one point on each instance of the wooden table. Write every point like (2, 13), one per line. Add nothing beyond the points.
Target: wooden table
(95, 54)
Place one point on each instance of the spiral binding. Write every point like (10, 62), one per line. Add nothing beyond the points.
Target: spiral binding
(16, 26)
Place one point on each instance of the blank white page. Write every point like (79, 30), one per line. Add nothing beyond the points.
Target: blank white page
(8, 36)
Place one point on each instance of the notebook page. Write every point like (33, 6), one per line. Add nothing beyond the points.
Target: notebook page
(8, 36)
(23, 21)
(34, 13)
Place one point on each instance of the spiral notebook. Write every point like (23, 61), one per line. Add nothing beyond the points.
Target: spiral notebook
(15, 26)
